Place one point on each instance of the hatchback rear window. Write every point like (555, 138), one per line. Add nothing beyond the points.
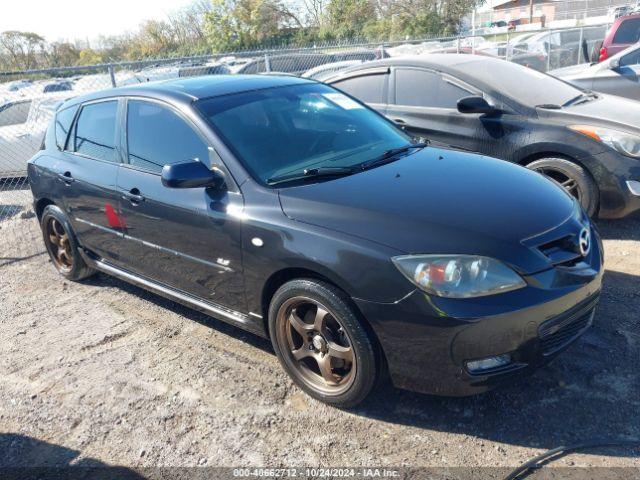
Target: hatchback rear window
(628, 31)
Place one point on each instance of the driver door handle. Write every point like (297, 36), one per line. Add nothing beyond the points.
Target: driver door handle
(400, 121)
(66, 178)
(133, 196)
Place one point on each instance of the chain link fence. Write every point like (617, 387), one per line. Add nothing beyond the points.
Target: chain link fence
(28, 100)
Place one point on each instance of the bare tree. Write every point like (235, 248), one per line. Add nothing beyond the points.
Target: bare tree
(22, 49)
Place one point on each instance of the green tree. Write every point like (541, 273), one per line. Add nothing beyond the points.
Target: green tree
(232, 24)
(347, 18)
(60, 54)
(88, 56)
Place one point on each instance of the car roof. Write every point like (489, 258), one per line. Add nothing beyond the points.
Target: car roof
(460, 63)
(624, 18)
(188, 90)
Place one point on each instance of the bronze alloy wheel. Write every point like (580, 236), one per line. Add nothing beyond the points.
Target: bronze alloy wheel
(315, 345)
(58, 244)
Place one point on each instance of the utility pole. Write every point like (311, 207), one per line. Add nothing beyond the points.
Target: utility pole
(530, 11)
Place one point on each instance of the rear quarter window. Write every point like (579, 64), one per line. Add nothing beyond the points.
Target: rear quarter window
(64, 118)
(628, 31)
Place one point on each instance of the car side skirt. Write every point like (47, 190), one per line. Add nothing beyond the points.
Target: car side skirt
(239, 319)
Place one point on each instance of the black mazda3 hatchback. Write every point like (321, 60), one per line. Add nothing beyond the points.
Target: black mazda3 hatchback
(291, 210)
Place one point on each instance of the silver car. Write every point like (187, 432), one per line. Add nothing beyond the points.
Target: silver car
(618, 75)
(23, 123)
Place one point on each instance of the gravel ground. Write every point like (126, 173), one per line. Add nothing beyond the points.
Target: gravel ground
(104, 372)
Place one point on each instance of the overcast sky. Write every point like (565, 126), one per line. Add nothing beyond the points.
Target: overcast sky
(82, 19)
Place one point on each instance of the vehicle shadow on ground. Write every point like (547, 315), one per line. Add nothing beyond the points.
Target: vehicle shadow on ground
(624, 229)
(591, 390)
(28, 458)
(102, 280)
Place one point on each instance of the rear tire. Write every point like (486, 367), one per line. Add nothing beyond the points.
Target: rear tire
(62, 245)
(321, 343)
(573, 178)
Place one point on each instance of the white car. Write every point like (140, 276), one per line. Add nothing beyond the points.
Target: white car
(23, 123)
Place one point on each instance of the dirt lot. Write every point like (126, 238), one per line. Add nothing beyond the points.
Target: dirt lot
(102, 371)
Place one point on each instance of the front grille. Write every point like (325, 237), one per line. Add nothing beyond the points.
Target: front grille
(561, 251)
(555, 334)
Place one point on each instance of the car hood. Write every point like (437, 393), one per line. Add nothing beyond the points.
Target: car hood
(439, 201)
(575, 71)
(607, 110)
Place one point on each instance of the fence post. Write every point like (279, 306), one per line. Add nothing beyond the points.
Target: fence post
(549, 51)
(267, 63)
(580, 48)
(112, 75)
(458, 44)
(506, 49)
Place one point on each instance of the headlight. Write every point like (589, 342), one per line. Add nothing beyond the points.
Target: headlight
(625, 143)
(458, 276)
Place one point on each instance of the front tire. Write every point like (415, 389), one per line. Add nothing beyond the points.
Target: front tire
(321, 343)
(62, 245)
(573, 178)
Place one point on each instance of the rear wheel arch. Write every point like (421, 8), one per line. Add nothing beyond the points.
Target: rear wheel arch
(41, 204)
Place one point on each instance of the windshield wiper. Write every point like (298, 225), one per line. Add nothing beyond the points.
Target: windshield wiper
(386, 157)
(389, 155)
(312, 173)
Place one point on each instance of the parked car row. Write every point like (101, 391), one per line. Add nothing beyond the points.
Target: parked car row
(587, 142)
(617, 75)
(22, 126)
(294, 211)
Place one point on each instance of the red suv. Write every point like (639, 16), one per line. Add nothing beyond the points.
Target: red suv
(624, 32)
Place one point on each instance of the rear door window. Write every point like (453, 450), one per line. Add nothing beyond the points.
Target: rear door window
(366, 88)
(15, 114)
(156, 136)
(628, 31)
(95, 134)
(421, 88)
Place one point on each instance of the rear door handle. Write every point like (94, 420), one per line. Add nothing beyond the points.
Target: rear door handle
(400, 121)
(133, 196)
(66, 178)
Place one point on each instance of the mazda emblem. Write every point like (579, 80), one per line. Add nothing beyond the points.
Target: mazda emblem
(584, 242)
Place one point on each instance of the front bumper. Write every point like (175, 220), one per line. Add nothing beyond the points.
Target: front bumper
(428, 340)
(613, 174)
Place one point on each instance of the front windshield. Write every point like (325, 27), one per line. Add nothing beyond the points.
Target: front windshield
(285, 130)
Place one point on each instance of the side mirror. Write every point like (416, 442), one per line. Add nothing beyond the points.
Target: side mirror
(191, 174)
(475, 105)
(614, 64)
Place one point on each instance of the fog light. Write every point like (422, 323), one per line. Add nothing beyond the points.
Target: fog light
(634, 187)
(489, 363)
